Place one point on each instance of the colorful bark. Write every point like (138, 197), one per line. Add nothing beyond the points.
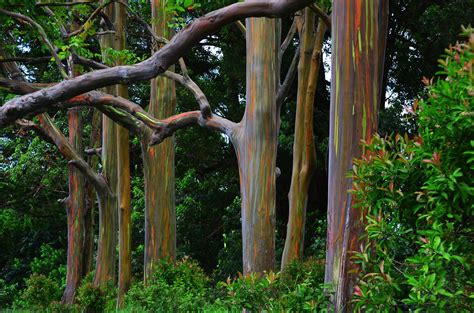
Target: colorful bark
(358, 47)
(304, 153)
(93, 160)
(75, 206)
(106, 247)
(75, 211)
(158, 163)
(255, 142)
(123, 171)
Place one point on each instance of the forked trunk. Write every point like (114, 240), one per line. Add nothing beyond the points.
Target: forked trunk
(304, 154)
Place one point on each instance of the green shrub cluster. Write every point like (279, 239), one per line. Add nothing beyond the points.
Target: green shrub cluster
(418, 195)
(184, 287)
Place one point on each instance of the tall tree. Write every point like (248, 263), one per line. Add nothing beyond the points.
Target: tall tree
(304, 154)
(255, 143)
(358, 46)
(76, 202)
(123, 169)
(105, 271)
(158, 161)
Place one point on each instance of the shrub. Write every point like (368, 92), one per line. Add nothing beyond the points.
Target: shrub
(94, 298)
(182, 286)
(40, 291)
(418, 196)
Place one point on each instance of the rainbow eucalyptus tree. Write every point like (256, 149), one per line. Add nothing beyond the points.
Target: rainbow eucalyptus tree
(158, 161)
(358, 46)
(304, 154)
(255, 141)
(123, 168)
(254, 138)
(116, 169)
(75, 204)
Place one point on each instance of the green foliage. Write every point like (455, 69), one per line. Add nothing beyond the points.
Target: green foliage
(184, 287)
(174, 287)
(299, 288)
(419, 197)
(96, 298)
(40, 291)
(50, 263)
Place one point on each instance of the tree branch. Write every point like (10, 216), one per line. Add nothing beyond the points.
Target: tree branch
(289, 78)
(27, 60)
(43, 35)
(155, 65)
(241, 27)
(65, 4)
(320, 12)
(289, 37)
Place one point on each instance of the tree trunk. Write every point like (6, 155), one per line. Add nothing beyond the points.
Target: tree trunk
(123, 171)
(255, 142)
(75, 211)
(106, 248)
(75, 206)
(304, 153)
(93, 160)
(158, 163)
(358, 46)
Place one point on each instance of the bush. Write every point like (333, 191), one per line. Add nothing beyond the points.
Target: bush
(94, 298)
(299, 288)
(40, 291)
(174, 287)
(418, 196)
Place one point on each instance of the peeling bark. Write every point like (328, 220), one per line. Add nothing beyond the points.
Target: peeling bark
(105, 271)
(255, 141)
(123, 173)
(358, 44)
(158, 163)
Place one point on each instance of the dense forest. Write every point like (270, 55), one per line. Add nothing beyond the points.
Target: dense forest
(215, 156)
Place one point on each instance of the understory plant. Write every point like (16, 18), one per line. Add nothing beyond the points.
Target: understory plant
(418, 198)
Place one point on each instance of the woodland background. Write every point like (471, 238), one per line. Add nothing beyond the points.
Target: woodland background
(34, 178)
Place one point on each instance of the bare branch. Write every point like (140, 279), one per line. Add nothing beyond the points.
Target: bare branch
(64, 4)
(241, 27)
(93, 151)
(87, 62)
(322, 14)
(27, 60)
(87, 24)
(43, 35)
(289, 78)
(289, 37)
(69, 153)
(155, 65)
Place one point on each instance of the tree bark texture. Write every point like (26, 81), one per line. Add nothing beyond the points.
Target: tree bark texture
(255, 141)
(358, 47)
(76, 206)
(158, 162)
(75, 211)
(108, 217)
(93, 160)
(304, 154)
(123, 171)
